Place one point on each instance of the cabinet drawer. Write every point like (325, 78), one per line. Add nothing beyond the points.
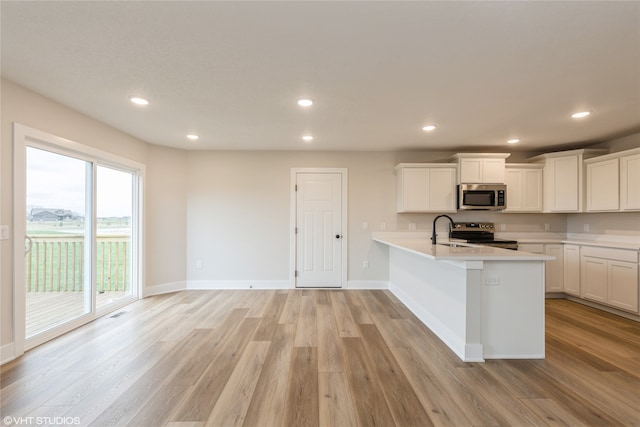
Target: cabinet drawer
(610, 253)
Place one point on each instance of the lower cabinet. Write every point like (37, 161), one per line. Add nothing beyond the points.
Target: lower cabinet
(554, 269)
(610, 276)
(571, 272)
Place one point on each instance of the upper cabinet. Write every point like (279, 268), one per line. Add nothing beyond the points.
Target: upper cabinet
(563, 179)
(613, 182)
(524, 187)
(481, 168)
(426, 187)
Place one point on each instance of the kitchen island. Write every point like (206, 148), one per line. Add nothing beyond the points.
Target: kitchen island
(482, 302)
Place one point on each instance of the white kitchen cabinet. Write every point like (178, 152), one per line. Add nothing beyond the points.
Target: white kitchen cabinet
(623, 285)
(563, 179)
(524, 187)
(571, 271)
(610, 276)
(613, 182)
(481, 168)
(554, 269)
(603, 186)
(594, 279)
(630, 182)
(426, 187)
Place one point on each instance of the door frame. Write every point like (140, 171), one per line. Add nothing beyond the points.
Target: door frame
(293, 217)
(24, 136)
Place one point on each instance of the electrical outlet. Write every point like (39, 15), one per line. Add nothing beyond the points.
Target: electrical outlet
(365, 225)
(492, 281)
(503, 227)
(4, 232)
(586, 227)
(383, 226)
(547, 227)
(412, 226)
(199, 264)
(365, 264)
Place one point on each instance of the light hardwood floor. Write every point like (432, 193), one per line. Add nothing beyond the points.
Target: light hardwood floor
(318, 358)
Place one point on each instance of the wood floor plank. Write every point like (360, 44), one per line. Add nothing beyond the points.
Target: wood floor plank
(307, 332)
(232, 405)
(442, 410)
(200, 401)
(291, 308)
(366, 390)
(302, 407)
(401, 398)
(336, 408)
(344, 316)
(329, 345)
(358, 312)
(270, 318)
(269, 399)
(125, 407)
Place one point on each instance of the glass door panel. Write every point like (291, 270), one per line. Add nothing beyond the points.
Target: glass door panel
(58, 229)
(114, 226)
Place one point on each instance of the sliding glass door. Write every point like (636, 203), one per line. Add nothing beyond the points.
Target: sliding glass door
(78, 210)
(58, 230)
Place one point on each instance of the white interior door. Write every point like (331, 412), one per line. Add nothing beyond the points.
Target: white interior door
(320, 242)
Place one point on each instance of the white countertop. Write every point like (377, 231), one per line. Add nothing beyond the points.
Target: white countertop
(602, 241)
(421, 245)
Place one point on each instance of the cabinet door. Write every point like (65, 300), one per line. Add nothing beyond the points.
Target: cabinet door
(532, 189)
(603, 186)
(471, 170)
(594, 279)
(554, 269)
(630, 182)
(572, 269)
(562, 184)
(413, 189)
(513, 178)
(623, 285)
(493, 171)
(442, 190)
(524, 190)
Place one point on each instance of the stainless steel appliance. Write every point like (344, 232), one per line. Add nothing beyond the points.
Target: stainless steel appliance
(480, 233)
(486, 197)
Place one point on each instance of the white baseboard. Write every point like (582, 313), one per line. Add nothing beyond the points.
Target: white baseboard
(237, 284)
(367, 284)
(7, 353)
(165, 288)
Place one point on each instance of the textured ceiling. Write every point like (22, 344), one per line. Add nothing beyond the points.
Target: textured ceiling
(483, 72)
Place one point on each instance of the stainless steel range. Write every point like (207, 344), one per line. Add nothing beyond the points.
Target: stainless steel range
(479, 233)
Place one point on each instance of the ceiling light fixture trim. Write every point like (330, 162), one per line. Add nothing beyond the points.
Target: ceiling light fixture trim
(139, 100)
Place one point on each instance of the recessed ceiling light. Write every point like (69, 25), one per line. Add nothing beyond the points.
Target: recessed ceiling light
(581, 114)
(307, 138)
(305, 102)
(193, 137)
(139, 101)
(429, 128)
(513, 141)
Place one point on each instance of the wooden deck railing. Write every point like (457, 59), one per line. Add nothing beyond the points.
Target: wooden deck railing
(55, 263)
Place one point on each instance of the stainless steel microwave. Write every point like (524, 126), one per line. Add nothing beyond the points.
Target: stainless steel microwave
(486, 197)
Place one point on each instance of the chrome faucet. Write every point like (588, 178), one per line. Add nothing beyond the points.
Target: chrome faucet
(433, 235)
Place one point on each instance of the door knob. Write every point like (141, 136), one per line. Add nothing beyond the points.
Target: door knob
(338, 236)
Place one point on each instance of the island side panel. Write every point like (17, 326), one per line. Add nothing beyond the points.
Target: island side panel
(513, 310)
(436, 292)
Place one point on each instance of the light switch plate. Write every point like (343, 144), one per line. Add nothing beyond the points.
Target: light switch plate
(4, 232)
